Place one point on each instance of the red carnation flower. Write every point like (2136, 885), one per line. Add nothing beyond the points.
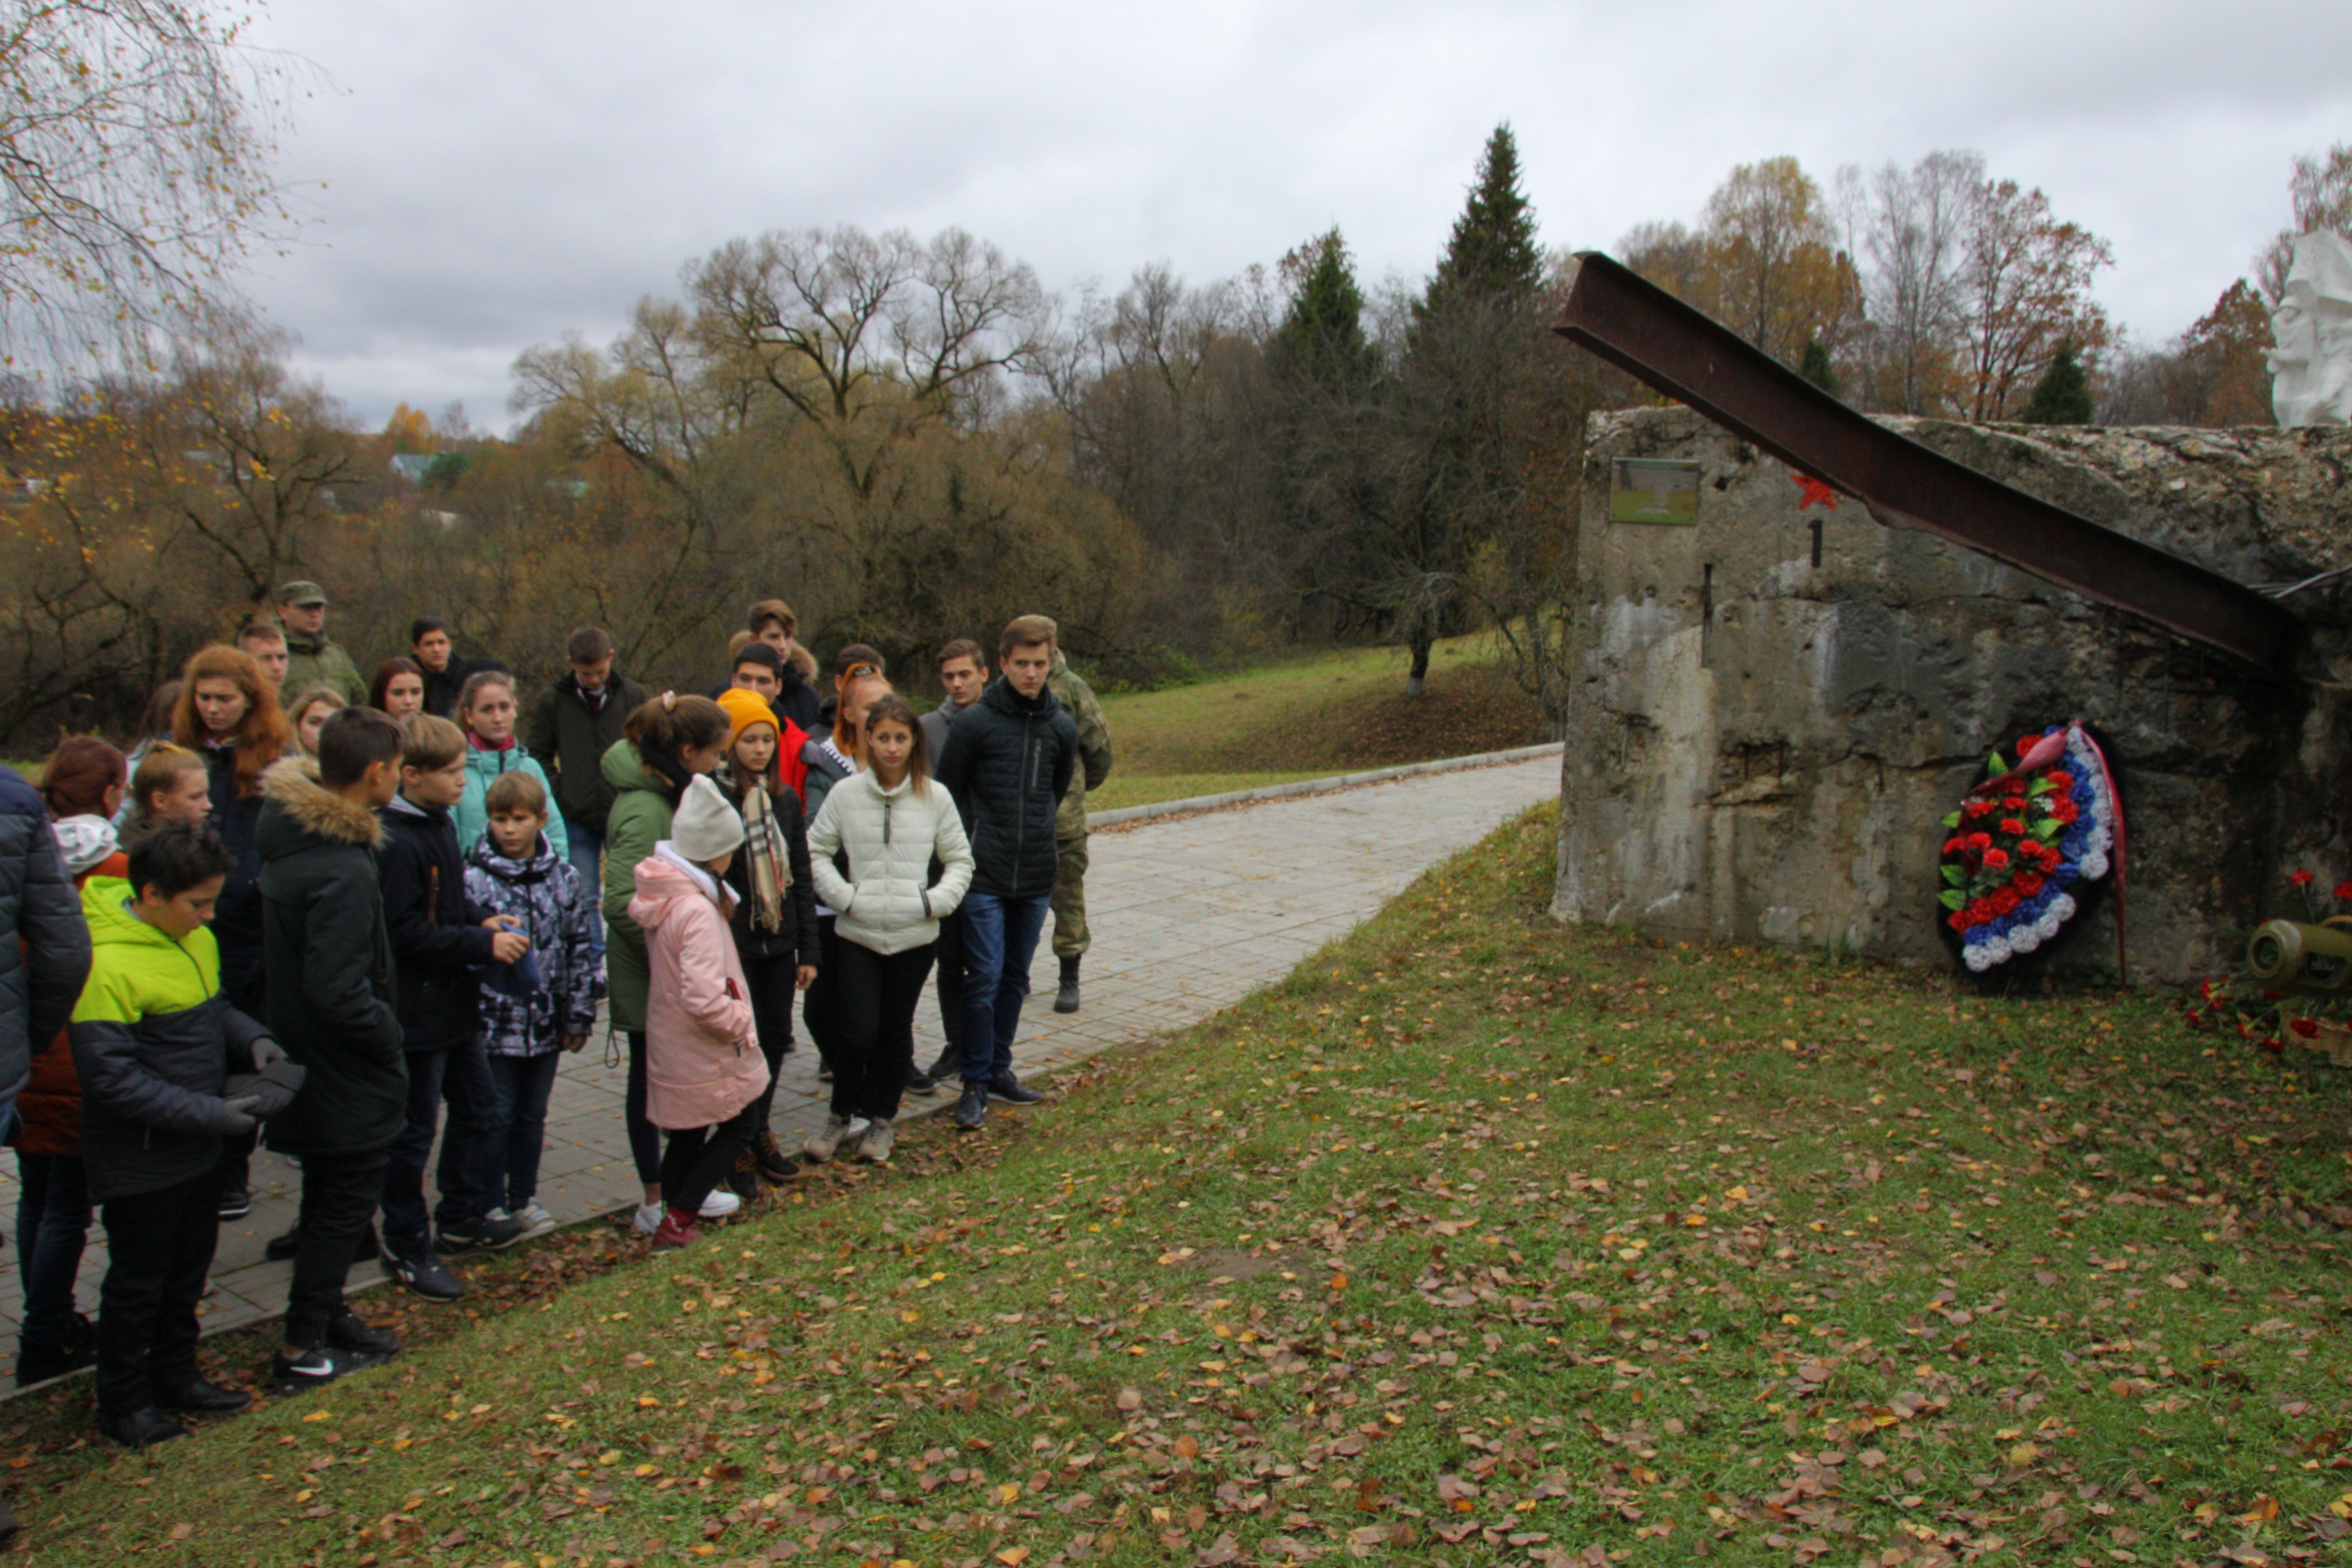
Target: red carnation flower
(2307, 1027)
(2302, 878)
(2005, 901)
(2059, 779)
(2027, 882)
(2344, 890)
(1958, 919)
(2012, 803)
(1979, 842)
(1996, 859)
(2065, 811)
(1976, 808)
(1955, 846)
(2027, 744)
(2012, 826)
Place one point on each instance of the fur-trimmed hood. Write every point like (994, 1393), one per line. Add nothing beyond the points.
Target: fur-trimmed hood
(309, 809)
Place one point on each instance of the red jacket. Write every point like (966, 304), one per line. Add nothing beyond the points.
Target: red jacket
(49, 1110)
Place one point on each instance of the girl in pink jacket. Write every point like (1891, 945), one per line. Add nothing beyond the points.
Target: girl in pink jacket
(704, 1071)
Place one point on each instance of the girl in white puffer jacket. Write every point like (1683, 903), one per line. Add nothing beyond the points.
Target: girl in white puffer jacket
(892, 822)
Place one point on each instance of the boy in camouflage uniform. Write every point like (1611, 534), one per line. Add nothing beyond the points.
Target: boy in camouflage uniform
(1071, 937)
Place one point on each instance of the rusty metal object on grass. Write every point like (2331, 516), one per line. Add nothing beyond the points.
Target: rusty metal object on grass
(1683, 352)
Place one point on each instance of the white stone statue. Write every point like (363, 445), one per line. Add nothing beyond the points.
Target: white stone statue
(2312, 365)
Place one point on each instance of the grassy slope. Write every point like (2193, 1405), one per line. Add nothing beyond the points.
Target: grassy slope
(1479, 1239)
(1308, 718)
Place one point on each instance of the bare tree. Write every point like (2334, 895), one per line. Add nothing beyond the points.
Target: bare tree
(2320, 191)
(135, 139)
(1914, 226)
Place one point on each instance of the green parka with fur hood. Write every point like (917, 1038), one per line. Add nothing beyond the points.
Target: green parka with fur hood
(643, 804)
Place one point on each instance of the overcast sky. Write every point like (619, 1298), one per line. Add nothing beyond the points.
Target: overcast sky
(497, 175)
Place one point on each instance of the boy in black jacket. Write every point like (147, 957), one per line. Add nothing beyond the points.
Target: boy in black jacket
(1007, 764)
(441, 942)
(328, 995)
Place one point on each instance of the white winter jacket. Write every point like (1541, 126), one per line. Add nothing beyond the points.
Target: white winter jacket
(888, 902)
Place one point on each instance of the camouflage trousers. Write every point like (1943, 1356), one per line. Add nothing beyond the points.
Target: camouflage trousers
(1071, 937)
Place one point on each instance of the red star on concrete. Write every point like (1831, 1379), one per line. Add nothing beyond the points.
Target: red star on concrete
(1817, 493)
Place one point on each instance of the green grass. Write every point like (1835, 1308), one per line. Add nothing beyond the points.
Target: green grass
(1148, 789)
(1309, 718)
(1479, 1239)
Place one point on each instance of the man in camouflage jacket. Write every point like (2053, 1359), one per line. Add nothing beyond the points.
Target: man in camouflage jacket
(1071, 937)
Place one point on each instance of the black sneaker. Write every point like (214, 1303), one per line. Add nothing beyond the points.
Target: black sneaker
(347, 1331)
(950, 1066)
(491, 1233)
(142, 1428)
(1011, 1090)
(314, 1368)
(421, 1274)
(200, 1396)
(972, 1109)
(236, 1203)
(918, 1081)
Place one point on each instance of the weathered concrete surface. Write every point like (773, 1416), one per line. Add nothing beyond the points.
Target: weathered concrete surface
(1762, 748)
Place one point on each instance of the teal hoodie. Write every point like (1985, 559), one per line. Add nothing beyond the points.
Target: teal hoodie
(471, 815)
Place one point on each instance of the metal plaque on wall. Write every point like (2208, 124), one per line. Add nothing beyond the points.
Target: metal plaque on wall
(1652, 489)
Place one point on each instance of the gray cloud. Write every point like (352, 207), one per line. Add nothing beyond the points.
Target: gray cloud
(497, 175)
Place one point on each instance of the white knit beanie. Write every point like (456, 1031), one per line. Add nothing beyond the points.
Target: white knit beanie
(706, 826)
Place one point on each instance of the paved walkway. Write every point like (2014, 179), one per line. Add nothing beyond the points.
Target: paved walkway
(1190, 914)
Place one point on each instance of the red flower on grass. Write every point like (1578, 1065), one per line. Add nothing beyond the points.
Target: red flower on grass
(2344, 890)
(2307, 1027)
(2303, 878)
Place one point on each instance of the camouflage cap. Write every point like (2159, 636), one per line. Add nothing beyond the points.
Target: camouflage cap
(301, 592)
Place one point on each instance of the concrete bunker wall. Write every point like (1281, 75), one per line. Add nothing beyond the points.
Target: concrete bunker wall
(1761, 746)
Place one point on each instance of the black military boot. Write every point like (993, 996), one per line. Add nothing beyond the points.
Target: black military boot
(1067, 1001)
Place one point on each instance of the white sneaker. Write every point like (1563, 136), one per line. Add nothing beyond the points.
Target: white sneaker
(648, 1220)
(857, 1126)
(719, 1205)
(536, 1221)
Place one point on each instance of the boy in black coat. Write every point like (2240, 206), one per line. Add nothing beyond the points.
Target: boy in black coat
(1007, 764)
(328, 997)
(441, 942)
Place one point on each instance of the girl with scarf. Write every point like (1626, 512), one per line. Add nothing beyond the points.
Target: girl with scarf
(774, 922)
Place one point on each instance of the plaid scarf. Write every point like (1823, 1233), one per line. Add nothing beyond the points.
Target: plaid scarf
(766, 871)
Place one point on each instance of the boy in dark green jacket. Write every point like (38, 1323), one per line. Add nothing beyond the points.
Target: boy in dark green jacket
(155, 1041)
(327, 952)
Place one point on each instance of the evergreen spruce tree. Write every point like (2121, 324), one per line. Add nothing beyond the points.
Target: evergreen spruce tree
(1492, 250)
(1817, 369)
(1321, 339)
(2062, 395)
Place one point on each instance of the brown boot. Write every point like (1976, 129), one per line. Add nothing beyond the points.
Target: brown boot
(772, 1162)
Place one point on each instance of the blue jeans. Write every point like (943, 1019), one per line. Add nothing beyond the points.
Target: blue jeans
(523, 1084)
(586, 851)
(52, 1225)
(468, 1153)
(1000, 937)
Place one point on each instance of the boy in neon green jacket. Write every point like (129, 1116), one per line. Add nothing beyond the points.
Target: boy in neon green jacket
(155, 1042)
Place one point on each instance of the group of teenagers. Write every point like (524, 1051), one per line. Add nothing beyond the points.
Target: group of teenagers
(315, 921)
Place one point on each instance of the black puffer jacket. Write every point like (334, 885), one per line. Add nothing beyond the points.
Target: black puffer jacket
(327, 955)
(569, 738)
(1009, 758)
(438, 940)
(40, 910)
(798, 932)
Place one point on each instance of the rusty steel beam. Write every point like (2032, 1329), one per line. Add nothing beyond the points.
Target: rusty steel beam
(1650, 335)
